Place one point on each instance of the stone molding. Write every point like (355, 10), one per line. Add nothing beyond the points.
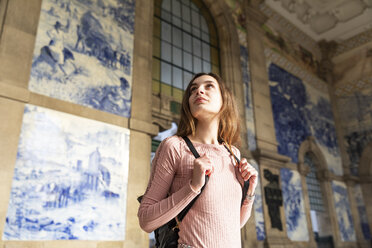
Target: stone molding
(264, 154)
(291, 30)
(303, 169)
(26, 96)
(256, 16)
(143, 127)
(354, 42)
(14, 92)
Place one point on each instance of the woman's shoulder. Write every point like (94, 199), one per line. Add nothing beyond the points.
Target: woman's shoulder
(172, 142)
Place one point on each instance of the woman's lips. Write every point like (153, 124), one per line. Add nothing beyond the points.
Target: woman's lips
(200, 100)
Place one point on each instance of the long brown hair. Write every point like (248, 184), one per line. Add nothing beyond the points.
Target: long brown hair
(229, 125)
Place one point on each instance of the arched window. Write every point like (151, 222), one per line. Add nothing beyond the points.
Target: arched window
(184, 43)
(313, 185)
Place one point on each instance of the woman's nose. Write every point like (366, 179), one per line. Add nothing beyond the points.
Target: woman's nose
(199, 91)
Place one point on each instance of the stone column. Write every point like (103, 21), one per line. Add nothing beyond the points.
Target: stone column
(18, 25)
(351, 181)
(264, 122)
(325, 72)
(140, 122)
(304, 169)
(325, 178)
(274, 214)
(266, 154)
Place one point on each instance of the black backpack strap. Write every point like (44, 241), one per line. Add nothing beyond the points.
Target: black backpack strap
(246, 183)
(191, 147)
(183, 213)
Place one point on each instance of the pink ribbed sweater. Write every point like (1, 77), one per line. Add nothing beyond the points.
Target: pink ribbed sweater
(216, 217)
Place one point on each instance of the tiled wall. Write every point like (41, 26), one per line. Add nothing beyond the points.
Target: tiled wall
(300, 111)
(71, 173)
(356, 117)
(70, 179)
(294, 206)
(83, 53)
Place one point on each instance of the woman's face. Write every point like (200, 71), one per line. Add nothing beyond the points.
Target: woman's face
(205, 99)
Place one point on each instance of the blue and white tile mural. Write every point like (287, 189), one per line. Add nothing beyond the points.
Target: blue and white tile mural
(344, 218)
(357, 125)
(258, 208)
(362, 212)
(300, 111)
(70, 179)
(83, 53)
(294, 206)
(249, 116)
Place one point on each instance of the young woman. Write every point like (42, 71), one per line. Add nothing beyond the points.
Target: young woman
(209, 118)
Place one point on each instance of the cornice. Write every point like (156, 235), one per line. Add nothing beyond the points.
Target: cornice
(354, 42)
(291, 30)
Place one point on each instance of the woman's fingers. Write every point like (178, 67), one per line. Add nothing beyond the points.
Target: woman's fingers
(247, 170)
(202, 166)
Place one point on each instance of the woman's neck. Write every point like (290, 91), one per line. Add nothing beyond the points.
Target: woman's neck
(206, 132)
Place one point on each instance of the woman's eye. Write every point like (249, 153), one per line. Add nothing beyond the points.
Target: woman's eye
(193, 89)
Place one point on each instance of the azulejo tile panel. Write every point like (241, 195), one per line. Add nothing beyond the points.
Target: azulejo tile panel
(362, 212)
(70, 179)
(84, 53)
(249, 115)
(342, 206)
(355, 115)
(294, 207)
(258, 207)
(300, 111)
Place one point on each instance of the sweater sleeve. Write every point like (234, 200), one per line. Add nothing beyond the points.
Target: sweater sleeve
(157, 208)
(246, 209)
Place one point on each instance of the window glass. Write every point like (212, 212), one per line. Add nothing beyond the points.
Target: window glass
(182, 35)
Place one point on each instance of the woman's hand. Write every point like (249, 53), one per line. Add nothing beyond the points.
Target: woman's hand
(248, 172)
(202, 166)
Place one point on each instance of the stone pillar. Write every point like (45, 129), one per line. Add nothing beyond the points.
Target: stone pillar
(351, 181)
(304, 169)
(264, 122)
(266, 154)
(325, 178)
(140, 122)
(325, 72)
(274, 215)
(18, 26)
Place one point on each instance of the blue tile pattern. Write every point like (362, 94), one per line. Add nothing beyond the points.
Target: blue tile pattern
(258, 207)
(355, 114)
(70, 179)
(300, 111)
(83, 53)
(294, 207)
(362, 212)
(249, 116)
(342, 206)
